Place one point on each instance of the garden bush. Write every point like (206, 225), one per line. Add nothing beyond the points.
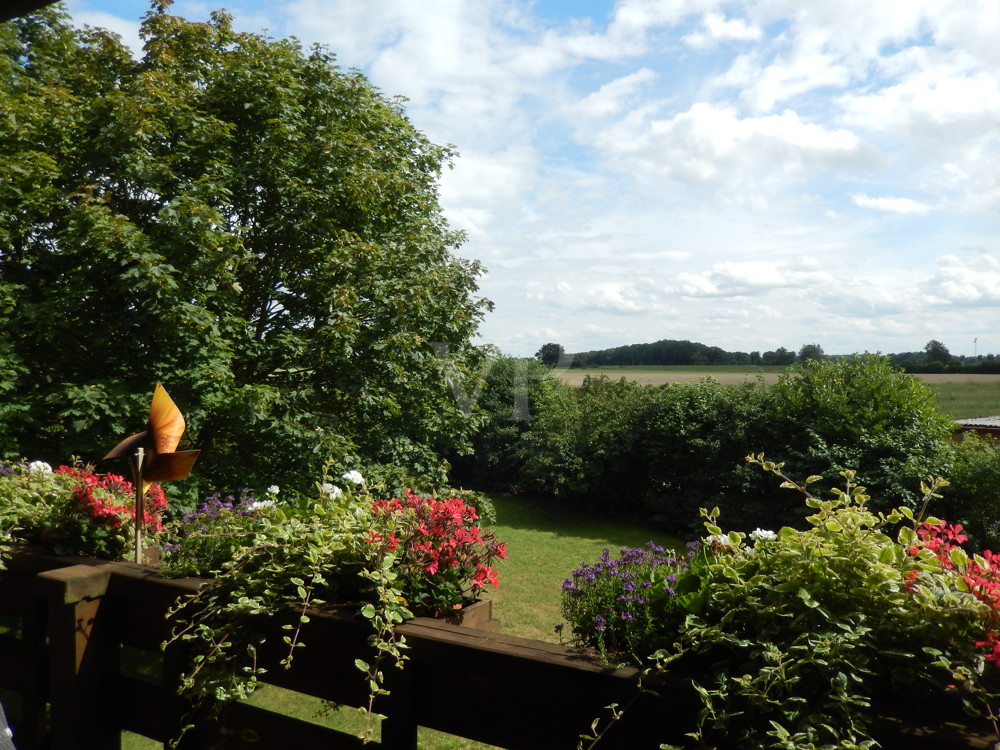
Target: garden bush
(797, 638)
(508, 401)
(585, 443)
(662, 452)
(863, 414)
(973, 492)
(696, 436)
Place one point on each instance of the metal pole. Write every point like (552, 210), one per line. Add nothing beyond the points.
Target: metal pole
(140, 495)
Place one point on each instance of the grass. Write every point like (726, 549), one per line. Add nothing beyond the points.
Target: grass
(959, 400)
(697, 369)
(545, 543)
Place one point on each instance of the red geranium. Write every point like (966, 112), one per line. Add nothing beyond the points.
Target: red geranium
(446, 555)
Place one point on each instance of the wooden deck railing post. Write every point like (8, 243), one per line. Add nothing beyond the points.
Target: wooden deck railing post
(83, 660)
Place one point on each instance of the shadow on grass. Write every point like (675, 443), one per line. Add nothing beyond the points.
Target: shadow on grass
(561, 518)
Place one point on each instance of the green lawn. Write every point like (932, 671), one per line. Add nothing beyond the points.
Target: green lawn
(959, 400)
(545, 544)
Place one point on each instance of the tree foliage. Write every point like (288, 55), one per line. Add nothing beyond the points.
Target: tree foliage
(550, 354)
(240, 219)
(810, 351)
(937, 352)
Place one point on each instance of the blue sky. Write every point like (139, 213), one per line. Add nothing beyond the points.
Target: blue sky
(748, 174)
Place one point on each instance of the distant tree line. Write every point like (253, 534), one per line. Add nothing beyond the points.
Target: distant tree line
(934, 357)
(673, 352)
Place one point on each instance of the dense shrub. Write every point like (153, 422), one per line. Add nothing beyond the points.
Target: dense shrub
(586, 443)
(665, 451)
(696, 436)
(508, 398)
(863, 414)
(973, 494)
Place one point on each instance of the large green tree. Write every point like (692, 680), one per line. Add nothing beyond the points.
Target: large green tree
(235, 217)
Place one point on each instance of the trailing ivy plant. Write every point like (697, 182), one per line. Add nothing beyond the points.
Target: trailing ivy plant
(384, 559)
(291, 558)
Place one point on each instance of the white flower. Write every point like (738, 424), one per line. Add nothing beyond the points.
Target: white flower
(39, 467)
(273, 489)
(258, 504)
(354, 476)
(758, 534)
(331, 491)
(722, 539)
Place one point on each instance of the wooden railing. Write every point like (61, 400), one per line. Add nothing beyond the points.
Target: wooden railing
(80, 661)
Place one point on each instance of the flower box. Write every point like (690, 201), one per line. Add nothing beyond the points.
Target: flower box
(478, 615)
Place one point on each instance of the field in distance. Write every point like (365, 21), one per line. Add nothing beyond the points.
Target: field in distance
(960, 395)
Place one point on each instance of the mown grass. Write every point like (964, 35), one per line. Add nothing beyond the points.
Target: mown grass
(960, 400)
(545, 543)
(707, 370)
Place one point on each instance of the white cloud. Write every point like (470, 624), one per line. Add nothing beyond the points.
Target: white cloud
(714, 145)
(716, 29)
(614, 96)
(973, 280)
(742, 278)
(658, 168)
(891, 205)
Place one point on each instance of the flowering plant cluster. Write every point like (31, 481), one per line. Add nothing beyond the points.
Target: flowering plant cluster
(101, 515)
(74, 511)
(386, 558)
(629, 605)
(445, 557)
(205, 540)
(945, 564)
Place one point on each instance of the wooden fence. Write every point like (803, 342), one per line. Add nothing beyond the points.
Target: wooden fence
(80, 661)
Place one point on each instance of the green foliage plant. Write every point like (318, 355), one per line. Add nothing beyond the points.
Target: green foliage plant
(973, 492)
(237, 217)
(32, 498)
(202, 542)
(803, 635)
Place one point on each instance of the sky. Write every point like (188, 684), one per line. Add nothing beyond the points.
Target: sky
(749, 175)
